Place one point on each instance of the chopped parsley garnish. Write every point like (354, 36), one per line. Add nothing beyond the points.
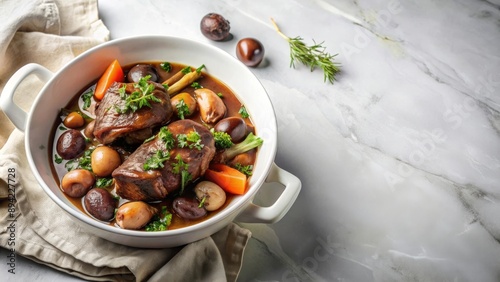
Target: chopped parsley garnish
(186, 70)
(196, 85)
(141, 97)
(83, 162)
(202, 202)
(220, 95)
(156, 161)
(57, 159)
(150, 139)
(191, 140)
(166, 66)
(243, 112)
(198, 70)
(87, 98)
(182, 109)
(160, 223)
(166, 136)
(245, 169)
(222, 139)
(180, 167)
(62, 128)
(103, 182)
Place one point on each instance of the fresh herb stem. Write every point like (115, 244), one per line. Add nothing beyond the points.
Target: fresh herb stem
(313, 56)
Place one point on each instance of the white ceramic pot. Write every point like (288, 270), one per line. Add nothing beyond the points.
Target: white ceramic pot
(84, 69)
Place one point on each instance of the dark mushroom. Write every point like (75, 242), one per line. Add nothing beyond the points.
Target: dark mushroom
(70, 144)
(188, 208)
(100, 204)
(236, 127)
(215, 27)
(250, 51)
(140, 71)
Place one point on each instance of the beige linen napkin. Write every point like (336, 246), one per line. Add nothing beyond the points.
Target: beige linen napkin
(51, 33)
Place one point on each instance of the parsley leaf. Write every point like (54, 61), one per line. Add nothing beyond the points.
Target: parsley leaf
(186, 70)
(245, 169)
(166, 136)
(156, 161)
(87, 98)
(202, 202)
(160, 223)
(141, 97)
(150, 139)
(103, 182)
(182, 109)
(57, 159)
(166, 66)
(222, 139)
(196, 85)
(198, 70)
(83, 162)
(191, 140)
(243, 112)
(180, 167)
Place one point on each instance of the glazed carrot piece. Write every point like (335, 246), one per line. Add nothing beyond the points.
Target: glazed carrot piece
(113, 73)
(228, 178)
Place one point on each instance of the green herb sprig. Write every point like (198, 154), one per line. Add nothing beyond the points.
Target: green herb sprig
(103, 182)
(156, 161)
(182, 109)
(245, 169)
(87, 98)
(141, 97)
(180, 167)
(83, 162)
(191, 140)
(243, 112)
(166, 136)
(313, 56)
(166, 66)
(160, 222)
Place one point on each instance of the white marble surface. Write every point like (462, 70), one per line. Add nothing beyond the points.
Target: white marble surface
(399, 159)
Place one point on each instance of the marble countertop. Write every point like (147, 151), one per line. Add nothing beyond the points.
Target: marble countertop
(399, 159)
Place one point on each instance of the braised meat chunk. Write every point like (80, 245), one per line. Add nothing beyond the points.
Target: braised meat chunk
(180, 152)
(119, 117)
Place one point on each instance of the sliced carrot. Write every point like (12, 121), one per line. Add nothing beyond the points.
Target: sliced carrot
(113, 73)
(228, 178)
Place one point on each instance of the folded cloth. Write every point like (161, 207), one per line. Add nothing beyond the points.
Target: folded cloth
(51, 33)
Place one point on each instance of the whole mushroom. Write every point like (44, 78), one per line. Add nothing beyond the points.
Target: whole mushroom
(211, 106)
(134, 215)
(77, 182)
(250, 51)
(215, 27)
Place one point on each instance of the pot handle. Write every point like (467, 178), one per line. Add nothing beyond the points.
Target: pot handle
(257, 214)
(17, 115)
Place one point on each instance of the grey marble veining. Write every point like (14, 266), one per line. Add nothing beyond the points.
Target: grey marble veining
(399, 159)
